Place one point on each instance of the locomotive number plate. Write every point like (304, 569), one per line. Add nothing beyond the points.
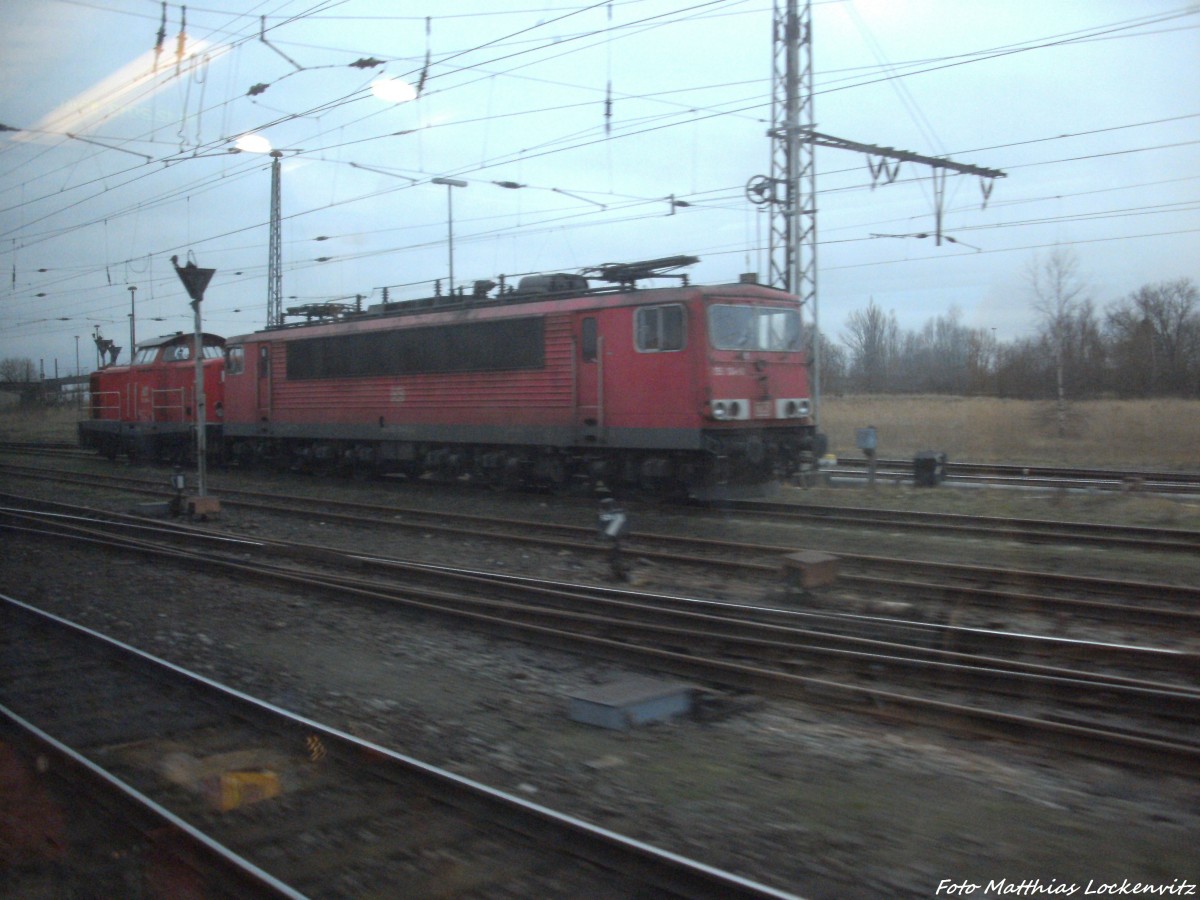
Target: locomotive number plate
(762, 409)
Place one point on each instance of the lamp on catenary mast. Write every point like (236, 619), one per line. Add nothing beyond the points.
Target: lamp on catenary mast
(393, 90)
(253, 143)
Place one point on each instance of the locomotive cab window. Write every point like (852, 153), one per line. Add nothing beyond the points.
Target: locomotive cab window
(145, 356)
(753, 328)
(235, 360)
(178, 353)
(659, 328)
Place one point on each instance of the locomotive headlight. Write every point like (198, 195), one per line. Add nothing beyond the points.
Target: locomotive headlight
(792, 408)
(724, 410)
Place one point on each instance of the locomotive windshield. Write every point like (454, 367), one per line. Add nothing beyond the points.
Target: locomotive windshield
(753, 328)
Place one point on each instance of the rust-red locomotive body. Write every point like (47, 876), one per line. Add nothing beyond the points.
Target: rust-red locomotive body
(148, 409)
(549, 383)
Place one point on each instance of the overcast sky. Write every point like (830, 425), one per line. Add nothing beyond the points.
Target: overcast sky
(1092, 108)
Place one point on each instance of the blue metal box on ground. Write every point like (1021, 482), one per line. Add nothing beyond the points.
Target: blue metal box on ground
(631, 701)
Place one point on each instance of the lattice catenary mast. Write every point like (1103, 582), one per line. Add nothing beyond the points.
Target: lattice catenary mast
(274, 266)
(790, 191)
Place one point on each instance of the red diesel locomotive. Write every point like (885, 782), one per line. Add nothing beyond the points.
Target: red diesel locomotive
(147, 409)
(550, 382)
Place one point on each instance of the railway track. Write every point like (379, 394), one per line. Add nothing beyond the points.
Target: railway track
(1020, 476)
(933, 635)
(186, 751)
(60, 449)
(1034, 531)
(957, 587)
(1029, 531)
(760, 650)
(956, 473)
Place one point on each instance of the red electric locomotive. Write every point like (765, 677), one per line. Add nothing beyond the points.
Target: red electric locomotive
(148, 409)
(549, 382)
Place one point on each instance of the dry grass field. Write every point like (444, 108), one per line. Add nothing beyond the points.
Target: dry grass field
(1141, 434)
(52, 424)
(1136, 434)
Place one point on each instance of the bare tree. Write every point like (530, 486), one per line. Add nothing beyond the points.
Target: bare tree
(937, 358)
(1058, 294)
(983, 361)
(873, 339)
(13, 369)
(1022, 369)
(834, 364)
(1155, 334)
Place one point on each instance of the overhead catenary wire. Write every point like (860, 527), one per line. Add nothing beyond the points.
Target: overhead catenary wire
(587, 213)
(1136, 23)
(496, 165)
(193, 189)
(255, 226)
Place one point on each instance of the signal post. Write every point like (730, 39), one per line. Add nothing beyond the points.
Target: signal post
(195, 280)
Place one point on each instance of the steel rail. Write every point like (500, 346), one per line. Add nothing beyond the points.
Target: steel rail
(1027, 477)
(1039, 531)
(932, 636)
(216, 864)
(728, 628)
(547, 625)
(1011, 473)
(641, 867)
(38, 446)
(1035, 531)
(959, 581)
(1026, 530)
